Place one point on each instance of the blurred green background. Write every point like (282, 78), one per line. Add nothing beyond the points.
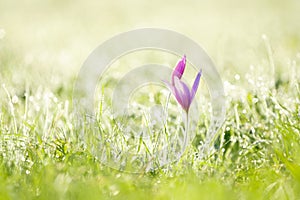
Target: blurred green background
(59, 35)
(255, 46)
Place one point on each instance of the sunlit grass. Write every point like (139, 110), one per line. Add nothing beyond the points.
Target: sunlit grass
(47, 153)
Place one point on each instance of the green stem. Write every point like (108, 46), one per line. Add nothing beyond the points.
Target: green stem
(186, 129)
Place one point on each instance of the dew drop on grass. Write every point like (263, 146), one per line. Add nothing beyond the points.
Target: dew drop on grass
(114, 190)
(237, 77)
(15, 99)
(31, 98)
(255, 100)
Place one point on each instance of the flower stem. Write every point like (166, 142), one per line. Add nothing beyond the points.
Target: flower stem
(186, 129)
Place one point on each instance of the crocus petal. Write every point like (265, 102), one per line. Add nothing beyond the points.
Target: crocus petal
(182, 94)
(174, 91)
(195, 85)
(178, 97)
(179, 69)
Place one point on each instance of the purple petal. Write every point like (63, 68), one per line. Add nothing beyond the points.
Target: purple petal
(179, 69)
(195, 85)
(182, 94)
(178, 97)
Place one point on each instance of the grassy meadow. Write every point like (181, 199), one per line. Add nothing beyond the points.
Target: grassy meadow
(255, 46)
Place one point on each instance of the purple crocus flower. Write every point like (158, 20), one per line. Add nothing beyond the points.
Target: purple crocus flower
(180, 90)
(179, 69)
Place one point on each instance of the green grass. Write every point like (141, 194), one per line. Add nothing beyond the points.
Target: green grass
(44, 153)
